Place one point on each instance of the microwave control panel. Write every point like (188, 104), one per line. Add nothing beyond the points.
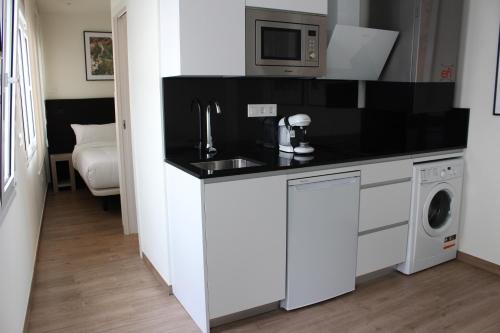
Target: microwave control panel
(312, 43)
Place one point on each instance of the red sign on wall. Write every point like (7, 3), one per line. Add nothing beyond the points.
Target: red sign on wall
(447, 73)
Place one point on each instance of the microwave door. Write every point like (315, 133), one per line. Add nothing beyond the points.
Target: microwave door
(279, 44)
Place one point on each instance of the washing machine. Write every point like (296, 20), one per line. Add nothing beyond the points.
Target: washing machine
(435, 214)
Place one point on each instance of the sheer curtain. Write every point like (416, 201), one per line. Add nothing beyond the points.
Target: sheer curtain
(35, 44)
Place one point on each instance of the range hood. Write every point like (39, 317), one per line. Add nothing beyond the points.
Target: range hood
(357, 53)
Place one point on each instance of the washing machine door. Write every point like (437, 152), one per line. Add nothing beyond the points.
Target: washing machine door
(438, 210)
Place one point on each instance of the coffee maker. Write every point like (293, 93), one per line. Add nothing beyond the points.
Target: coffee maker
(293, 134)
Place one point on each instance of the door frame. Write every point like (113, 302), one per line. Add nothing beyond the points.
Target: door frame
(127, 188)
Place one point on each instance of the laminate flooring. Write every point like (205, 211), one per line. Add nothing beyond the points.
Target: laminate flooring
(90, 278)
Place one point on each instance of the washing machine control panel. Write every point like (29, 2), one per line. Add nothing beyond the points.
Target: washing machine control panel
(439, 173)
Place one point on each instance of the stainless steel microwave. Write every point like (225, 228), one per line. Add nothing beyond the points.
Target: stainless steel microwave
(281, 43)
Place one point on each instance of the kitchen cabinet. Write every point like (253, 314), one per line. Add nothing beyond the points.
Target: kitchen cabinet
(207, 38)
(309, 6)
(202, 38)
(382, 206)
(228, 243)
(228, 236)
(384, 215)
(385, 172)
(382, 249)
(245, 229)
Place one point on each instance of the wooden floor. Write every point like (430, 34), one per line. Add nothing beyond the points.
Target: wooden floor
(90, 279)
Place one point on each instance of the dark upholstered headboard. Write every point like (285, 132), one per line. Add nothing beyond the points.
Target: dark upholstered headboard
(61, 113)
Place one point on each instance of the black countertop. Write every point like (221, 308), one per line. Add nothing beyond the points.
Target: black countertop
(274, 160)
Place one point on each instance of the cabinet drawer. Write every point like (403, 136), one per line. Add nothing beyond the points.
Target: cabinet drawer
(381, 249)
(384, 205)
(386, 172)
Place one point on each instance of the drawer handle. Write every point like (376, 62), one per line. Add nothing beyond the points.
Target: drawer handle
(391, 226)
(389, 182)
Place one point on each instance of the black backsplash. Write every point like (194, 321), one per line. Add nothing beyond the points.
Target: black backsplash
(331, 105)
(410, 122)
(414, 97)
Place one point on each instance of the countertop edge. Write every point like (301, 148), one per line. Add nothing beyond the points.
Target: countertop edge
(418, 157)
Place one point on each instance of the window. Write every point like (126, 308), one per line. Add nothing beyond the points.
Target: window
(26, 90)
(8, 33)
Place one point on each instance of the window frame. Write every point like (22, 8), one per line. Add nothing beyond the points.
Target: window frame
(26, 89)
(8, 80)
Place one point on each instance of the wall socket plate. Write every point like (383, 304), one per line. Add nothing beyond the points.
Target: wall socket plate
(262, 110)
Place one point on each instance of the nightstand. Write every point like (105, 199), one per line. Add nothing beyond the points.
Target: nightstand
(56, 183)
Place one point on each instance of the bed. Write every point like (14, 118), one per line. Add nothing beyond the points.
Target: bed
(97, 164)
(95, 157)
(93, 143)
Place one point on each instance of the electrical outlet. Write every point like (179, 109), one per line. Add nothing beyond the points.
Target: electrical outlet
(262, 110)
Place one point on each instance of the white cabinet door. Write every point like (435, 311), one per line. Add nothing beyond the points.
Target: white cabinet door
(382, 249)
(203, 38)
(245, 228)
(306, 6)
(379, 173)
(386, 205)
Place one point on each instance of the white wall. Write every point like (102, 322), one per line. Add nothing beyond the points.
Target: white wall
(147, 128)
(20, 227)
(19, 233)
(480, 235)
(64, 54)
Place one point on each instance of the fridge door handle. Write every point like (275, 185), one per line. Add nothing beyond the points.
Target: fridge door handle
(325, 178)
(325, 184)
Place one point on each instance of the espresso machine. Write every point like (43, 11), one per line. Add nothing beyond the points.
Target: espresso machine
(293, 134)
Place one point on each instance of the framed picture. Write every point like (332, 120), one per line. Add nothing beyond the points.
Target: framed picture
(98, 55)
(496, 103)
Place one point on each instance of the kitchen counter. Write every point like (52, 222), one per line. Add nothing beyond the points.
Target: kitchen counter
(214, 214)
(275, 161)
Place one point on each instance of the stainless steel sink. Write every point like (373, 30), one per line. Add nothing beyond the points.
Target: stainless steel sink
(234, 163)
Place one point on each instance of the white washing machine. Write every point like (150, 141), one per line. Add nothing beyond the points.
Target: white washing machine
(435, 214)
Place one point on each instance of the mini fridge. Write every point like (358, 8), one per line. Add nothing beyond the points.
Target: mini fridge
(322, 238)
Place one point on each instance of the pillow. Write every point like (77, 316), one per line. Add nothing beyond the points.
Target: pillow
(94, 133)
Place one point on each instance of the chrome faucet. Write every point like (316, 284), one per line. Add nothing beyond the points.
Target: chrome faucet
(210, 149)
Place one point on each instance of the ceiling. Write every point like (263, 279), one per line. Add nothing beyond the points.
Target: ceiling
(74, 6)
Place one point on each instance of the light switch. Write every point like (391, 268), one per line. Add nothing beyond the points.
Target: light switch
(262, 110)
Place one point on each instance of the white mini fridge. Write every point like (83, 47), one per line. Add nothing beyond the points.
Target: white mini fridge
(322, 238)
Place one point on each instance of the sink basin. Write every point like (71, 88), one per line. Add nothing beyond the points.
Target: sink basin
(234, 163)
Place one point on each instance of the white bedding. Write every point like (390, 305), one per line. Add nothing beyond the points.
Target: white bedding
(97, 163)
